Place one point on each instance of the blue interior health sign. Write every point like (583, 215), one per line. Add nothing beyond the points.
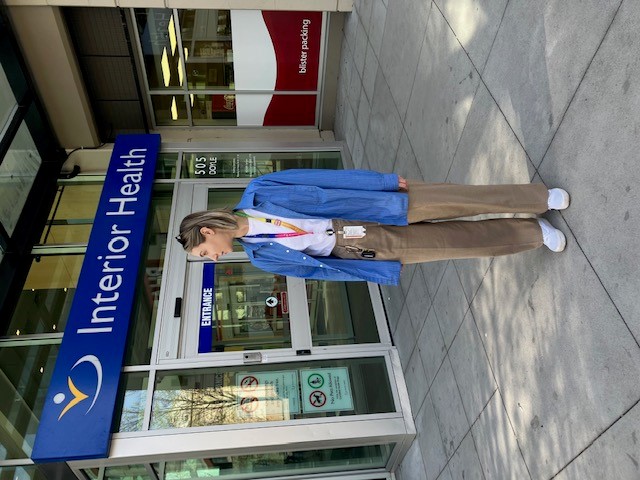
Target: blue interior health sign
(76, 419)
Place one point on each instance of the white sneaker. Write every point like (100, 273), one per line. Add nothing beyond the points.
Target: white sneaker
(558, 199)
(553, 238)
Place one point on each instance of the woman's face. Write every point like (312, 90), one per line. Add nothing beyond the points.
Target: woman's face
(216, 243)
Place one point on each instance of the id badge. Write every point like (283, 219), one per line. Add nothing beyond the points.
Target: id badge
(354, 231)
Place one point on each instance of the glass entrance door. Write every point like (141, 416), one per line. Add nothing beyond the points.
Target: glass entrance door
(230, 309)
(250, 308)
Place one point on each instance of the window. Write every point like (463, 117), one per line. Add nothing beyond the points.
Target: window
(184, 53)
(221, 68)
(26, 369)
(274, 392)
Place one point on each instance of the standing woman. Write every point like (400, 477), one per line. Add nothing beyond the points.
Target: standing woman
(363, 225)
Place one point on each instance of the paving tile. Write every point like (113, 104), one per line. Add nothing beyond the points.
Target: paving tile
(450, 304)
(406, 164)
(357, 155)
(342, 100)
(615, 454)
(540, 54)
(418, 301)
(355, 87)
(364, 7)
(471, 272)
(449, 412)
(441, 97)
(404, 338)
(406, 275)
(433, 273)
(350, 127)
(489, 152)
(376, 24)
(350, 30)
(465, 465)
(471, 368)
(384, 128)
(497, 445)
(445, 475)
(405, 27)
(560, 352)
(431, 346)
(360, 49)
(370, 71)
(595, 157)
(364, 112)
(412, 466)
(416, 381)
(393, 300)
(475, 23)
(338, 124)
(430, 441)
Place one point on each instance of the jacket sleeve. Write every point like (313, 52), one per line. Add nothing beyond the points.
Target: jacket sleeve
(342, 179)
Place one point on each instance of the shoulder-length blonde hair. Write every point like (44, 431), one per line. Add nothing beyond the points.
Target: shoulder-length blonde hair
(190, 236)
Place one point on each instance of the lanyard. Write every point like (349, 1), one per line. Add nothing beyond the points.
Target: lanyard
(297, 231)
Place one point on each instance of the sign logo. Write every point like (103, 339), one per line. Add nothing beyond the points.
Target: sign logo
(79, 396)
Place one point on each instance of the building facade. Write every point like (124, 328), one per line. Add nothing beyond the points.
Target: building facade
(221, 370)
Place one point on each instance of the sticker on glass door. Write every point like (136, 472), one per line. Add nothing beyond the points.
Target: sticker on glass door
(268, 395)
(242, 308)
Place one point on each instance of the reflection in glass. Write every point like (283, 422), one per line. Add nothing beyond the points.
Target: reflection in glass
(17, 172)
(170, 109)
(280, 463)
(340, 313)
(45, 301)
(250, 165)
(158, 40)
(127, 472)
(221, 396)
(91, 473)
(74, 209)
(7, 99)
(206, 39)
(148, 292)
(131, 402)
(166, 165)
(210, 110)
(25, 372)
(28, 472)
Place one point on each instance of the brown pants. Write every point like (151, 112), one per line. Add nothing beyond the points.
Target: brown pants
(422, 241)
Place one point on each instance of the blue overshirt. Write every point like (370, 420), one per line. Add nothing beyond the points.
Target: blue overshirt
(359, 195)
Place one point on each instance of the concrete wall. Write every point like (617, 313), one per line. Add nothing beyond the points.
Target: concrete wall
(49, 55)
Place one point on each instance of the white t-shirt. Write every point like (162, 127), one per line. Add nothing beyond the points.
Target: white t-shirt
(318, 243)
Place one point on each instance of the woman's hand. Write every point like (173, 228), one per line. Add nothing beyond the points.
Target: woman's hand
(402, 184)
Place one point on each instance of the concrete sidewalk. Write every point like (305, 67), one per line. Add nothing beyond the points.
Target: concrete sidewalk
(525, 366)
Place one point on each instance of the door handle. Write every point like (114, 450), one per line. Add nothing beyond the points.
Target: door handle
(177, 308)
(252, 357)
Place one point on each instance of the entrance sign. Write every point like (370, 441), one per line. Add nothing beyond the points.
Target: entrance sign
(268, 395)
(326, 390)
(76, 418)
(207, 309)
